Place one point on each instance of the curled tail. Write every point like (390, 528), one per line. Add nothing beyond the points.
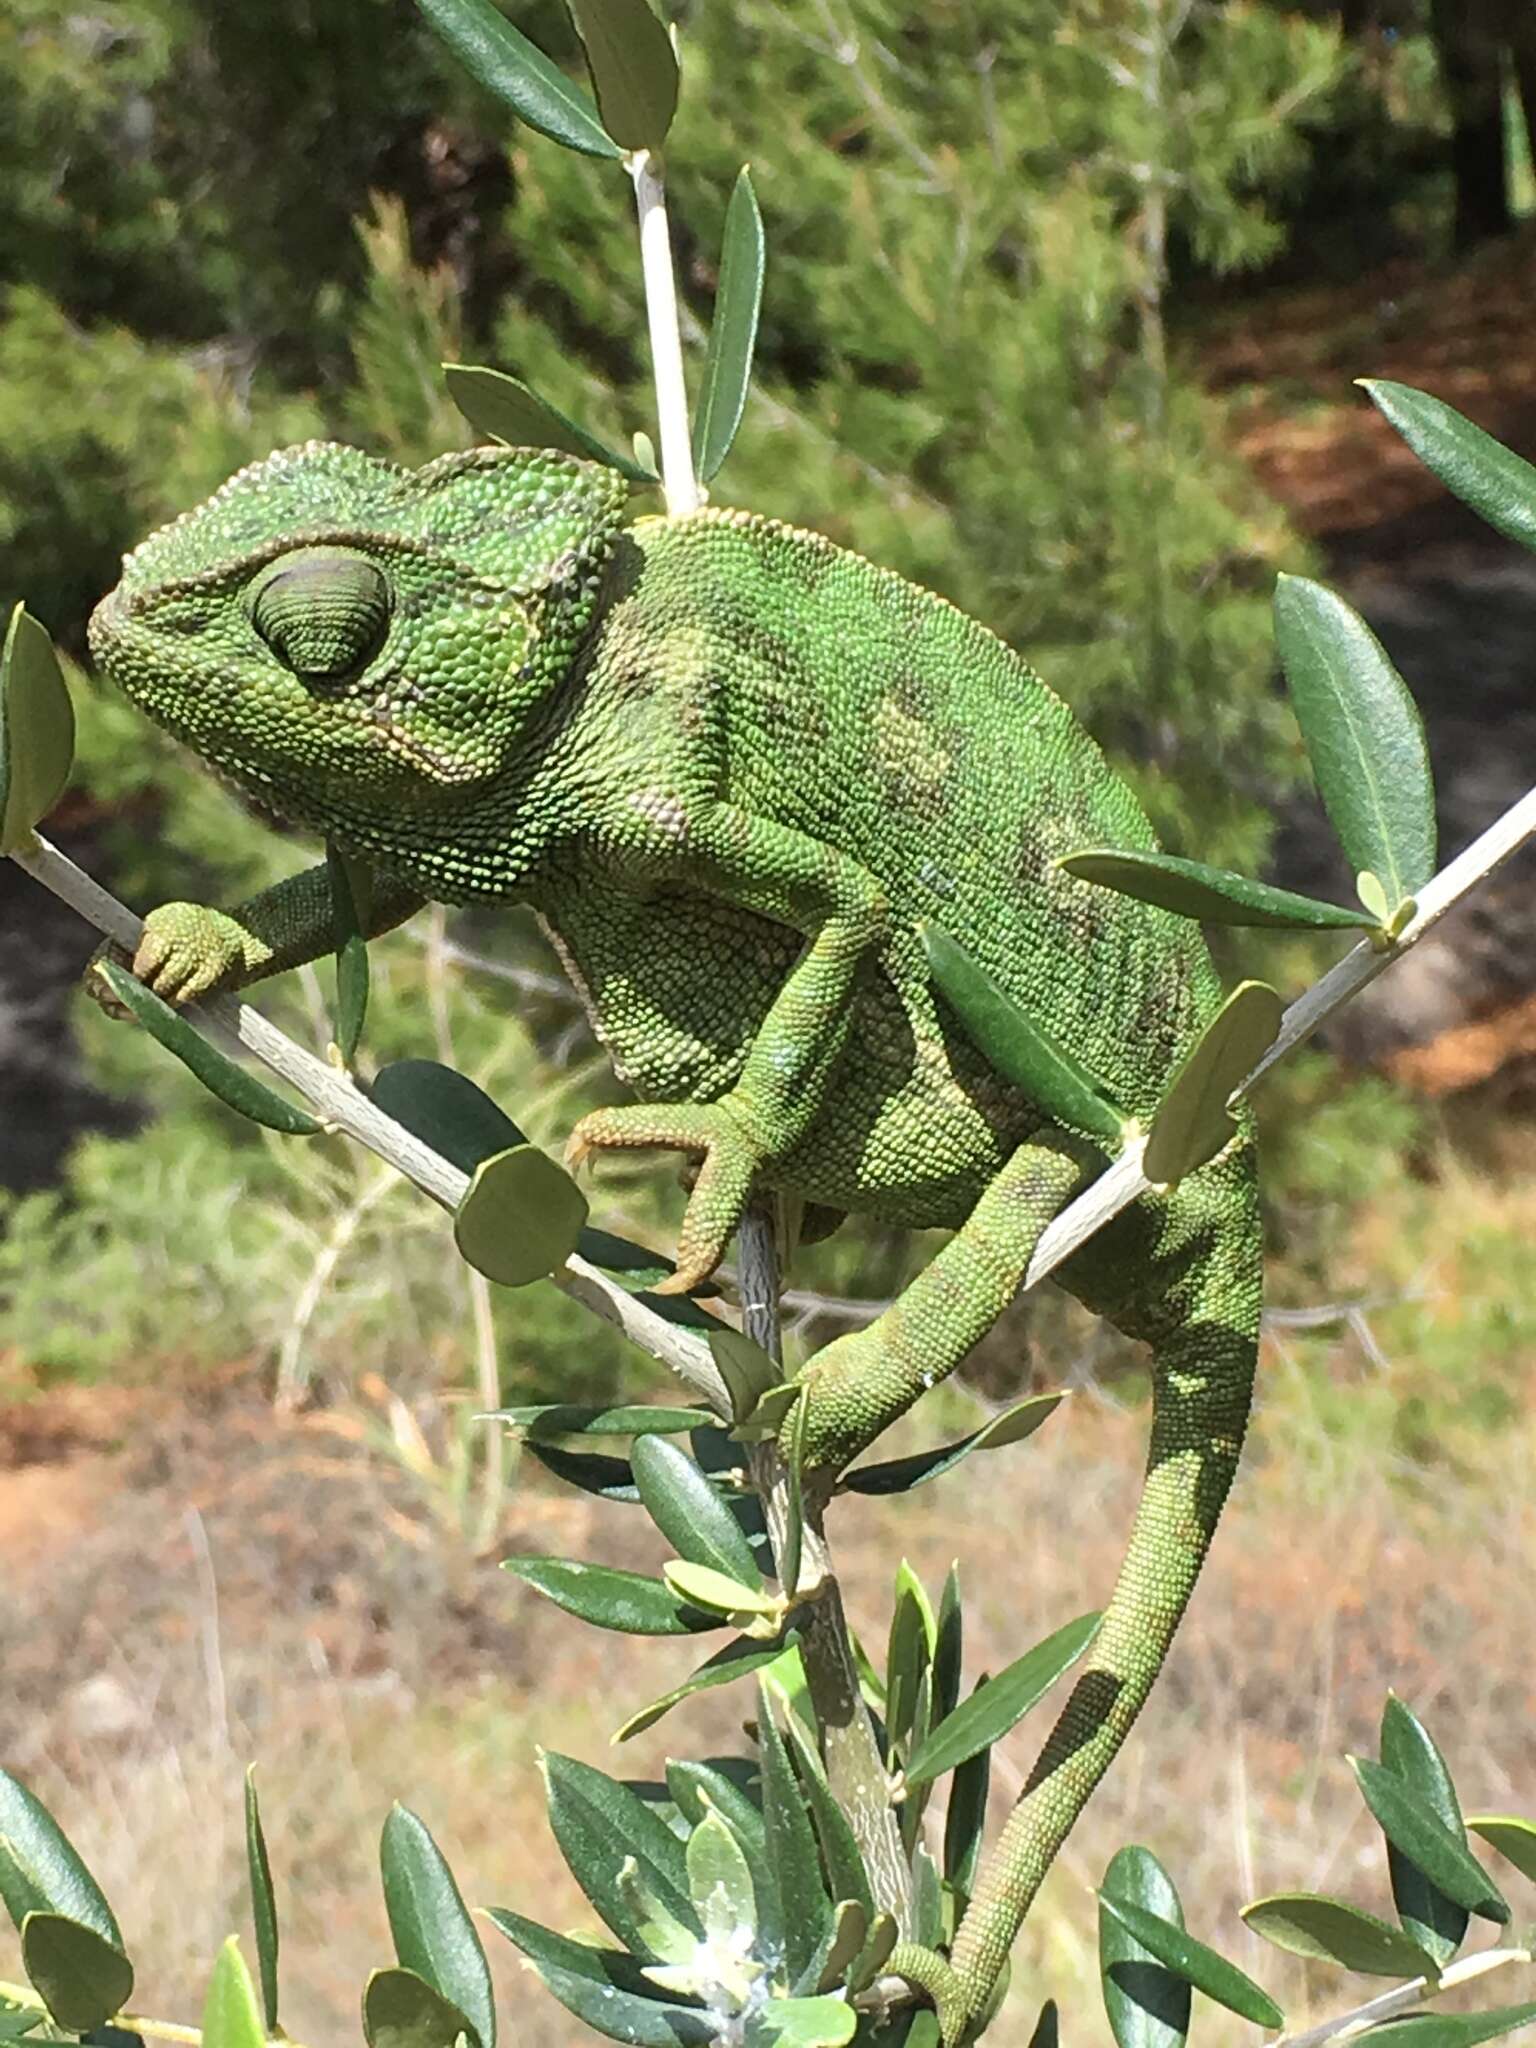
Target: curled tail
(1207, 1264)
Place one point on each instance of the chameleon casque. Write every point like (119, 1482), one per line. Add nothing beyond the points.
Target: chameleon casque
(734, 767)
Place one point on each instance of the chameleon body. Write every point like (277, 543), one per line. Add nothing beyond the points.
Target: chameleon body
(736, 768)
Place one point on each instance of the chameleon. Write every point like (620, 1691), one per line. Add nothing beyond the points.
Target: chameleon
(736, 769)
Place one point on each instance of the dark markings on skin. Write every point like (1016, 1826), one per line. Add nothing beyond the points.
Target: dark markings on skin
(909, 695)
(1033, 864)
(631, 682)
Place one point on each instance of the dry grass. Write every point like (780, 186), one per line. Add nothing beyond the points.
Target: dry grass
(194, 1583)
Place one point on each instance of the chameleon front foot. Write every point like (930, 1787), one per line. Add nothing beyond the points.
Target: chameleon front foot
(729, 1159)
(185, 951)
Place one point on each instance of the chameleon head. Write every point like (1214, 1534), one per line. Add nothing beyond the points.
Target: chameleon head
(344, 637)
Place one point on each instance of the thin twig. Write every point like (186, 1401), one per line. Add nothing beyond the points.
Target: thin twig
(855, 1769)
(1402, 1997)
(1125, 1181)
(123, 2022)
(678, 481)
(231, 1024)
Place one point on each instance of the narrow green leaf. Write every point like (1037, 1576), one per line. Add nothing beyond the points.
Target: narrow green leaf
(768, 1417)
(402, 2010)
(351, 901)
(508, 410)
(432, 1930)
(633, 67)
(883, 1937)
(1329, 1931)
(40, 1869)
(672, 1308)
(847, 1876)
(659, 1932)
(606, 1478)
(733, 331)
(737, 1660)
(263, 1901)
(722, 1784)
(1411, 1825)
(1194, 1962)
(900, 1475)
(16, 2022)
(747, 1369)
(1214, 895)
(508, 65)
(1047, 2032)
(801, 2023)
(690, 1512)
(923, 2030)
(1193, 1123)
(1373, 897)
(850, 1931)
(793, 1543)
(609, 1598)
(445, 1110)
(927, 1899)
(791, 1844)
(1147, 2004)
(915, 1804)
(712, 1589)
(1432, 1919)
(1480, 471)
(520, 1217)
(571, 1418)
(1363, 734)
(948, 1647)
(1451, 2030)
(231, 2017)
(720, 1885)
(605, 1989)
(37, 730)
(989, 1714)
(636, 1267)
(967, 1816)
(1017, 1045)
(1513, 1837)
(598, 1823)
(81, 1977)
(233, 1086)
(909, 1651)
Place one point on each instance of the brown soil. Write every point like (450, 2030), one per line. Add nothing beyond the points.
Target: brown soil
(1287, 360)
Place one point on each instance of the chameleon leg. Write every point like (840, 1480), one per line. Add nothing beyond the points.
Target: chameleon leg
(188, 950)
(840, 907)
(1202, 1379)
(859, 1384)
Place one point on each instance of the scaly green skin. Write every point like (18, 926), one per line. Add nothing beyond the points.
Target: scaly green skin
(734, 767)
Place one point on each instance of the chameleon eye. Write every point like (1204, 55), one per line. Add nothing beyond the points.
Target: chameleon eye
(323, 613)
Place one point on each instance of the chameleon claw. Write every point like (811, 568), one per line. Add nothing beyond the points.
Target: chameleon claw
(679, 1282)
(578, 1150)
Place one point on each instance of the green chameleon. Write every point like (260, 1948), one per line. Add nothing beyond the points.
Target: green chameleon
(735, 768)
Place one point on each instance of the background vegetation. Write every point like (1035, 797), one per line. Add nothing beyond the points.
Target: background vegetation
(1004, 239)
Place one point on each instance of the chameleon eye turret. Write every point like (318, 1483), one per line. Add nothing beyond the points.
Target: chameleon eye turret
(324, 612)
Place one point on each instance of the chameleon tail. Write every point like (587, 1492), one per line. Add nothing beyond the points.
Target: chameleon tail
(1202, 1371)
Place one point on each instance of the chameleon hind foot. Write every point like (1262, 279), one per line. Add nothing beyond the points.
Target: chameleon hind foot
(729, 1160)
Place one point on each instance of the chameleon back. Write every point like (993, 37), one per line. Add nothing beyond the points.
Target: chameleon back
(843, 701)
